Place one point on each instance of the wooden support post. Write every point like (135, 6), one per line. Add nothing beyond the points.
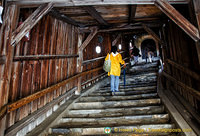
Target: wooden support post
(30, 22)
(81, 48)
(79, 64)
(9, 24)
(181, 21)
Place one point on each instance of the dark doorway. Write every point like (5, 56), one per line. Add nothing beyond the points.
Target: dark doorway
(148, 45)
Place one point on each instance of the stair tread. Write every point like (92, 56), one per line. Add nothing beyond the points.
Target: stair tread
(116, 112)
(127, 93)
(117, 98)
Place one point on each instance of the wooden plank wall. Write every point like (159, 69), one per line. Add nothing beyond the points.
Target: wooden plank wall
(182, 50)
(49, 37)
(90, 53)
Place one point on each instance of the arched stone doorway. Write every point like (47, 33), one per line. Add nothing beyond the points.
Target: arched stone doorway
(148, 45)
(138, 43)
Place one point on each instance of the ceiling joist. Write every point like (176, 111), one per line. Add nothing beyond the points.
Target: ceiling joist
(132, 12)
(92, 11)
(63, 17)
(64, 3)
(180, 20)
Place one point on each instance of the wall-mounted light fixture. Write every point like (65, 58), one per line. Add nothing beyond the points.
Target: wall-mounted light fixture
(98, 49)
(120, 47)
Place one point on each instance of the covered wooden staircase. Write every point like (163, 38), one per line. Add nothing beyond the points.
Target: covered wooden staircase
(136, 109)
(51, 58)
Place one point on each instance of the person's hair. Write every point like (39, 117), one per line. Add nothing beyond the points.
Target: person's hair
(114, 49)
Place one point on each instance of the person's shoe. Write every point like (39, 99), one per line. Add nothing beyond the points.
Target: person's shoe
(113, 93)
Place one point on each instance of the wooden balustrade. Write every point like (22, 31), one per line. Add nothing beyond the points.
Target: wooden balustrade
(192, 91)
(184, 69)
(15, 105)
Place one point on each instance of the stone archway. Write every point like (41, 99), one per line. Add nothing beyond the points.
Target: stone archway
(139, 40)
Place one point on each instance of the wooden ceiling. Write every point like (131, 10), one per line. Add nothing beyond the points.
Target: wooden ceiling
(104, 13)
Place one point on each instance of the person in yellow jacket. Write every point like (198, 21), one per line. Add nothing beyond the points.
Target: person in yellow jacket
(115, 71)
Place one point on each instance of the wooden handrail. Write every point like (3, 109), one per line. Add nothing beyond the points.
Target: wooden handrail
(91, 60)
(42, 57)
(184, 69)
(99, 58)
(192, 91)
(93, 79)
(15, 105)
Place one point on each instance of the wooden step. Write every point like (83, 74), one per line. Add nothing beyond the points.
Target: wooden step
(148, 129)
(138, 85)
(107, 89)
(117, 98)
(115, 121)
(115, 104)
(109, 93)
(115, 112)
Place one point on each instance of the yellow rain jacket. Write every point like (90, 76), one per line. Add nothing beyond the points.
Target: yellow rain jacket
(115, 64)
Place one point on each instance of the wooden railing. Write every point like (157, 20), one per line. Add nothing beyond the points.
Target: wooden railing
(192, 91)
(183, 69)
(15, 105)
(95, 59)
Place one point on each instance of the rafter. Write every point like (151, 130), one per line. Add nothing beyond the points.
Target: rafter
(152, 33)
(63, 3)
(64, 18)
(92, 11)
(181, 21)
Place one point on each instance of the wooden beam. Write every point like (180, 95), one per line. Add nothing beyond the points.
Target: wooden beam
(28, 99)
(190, 90)
(181, 21)
(116, 39)
(42, 57)
(196, 4)
(56, 14)
(9, 24)
(152, 33)
(89, 38)
(132, 12)
(128, 28)
(91, 60)
(184, 69)
(30, 22)
(66, 3)
(92, 11)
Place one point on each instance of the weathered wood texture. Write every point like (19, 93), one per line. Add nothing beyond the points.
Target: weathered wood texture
(61, 3)
(182, 63)
(180, 20)
(89, 53)
(11, 15)
(30, 22)
(44, 62)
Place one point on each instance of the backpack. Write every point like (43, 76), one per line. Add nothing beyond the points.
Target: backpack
(107, 65)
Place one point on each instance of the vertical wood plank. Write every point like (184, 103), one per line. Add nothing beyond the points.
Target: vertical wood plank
(9, 24)
(51, 79)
